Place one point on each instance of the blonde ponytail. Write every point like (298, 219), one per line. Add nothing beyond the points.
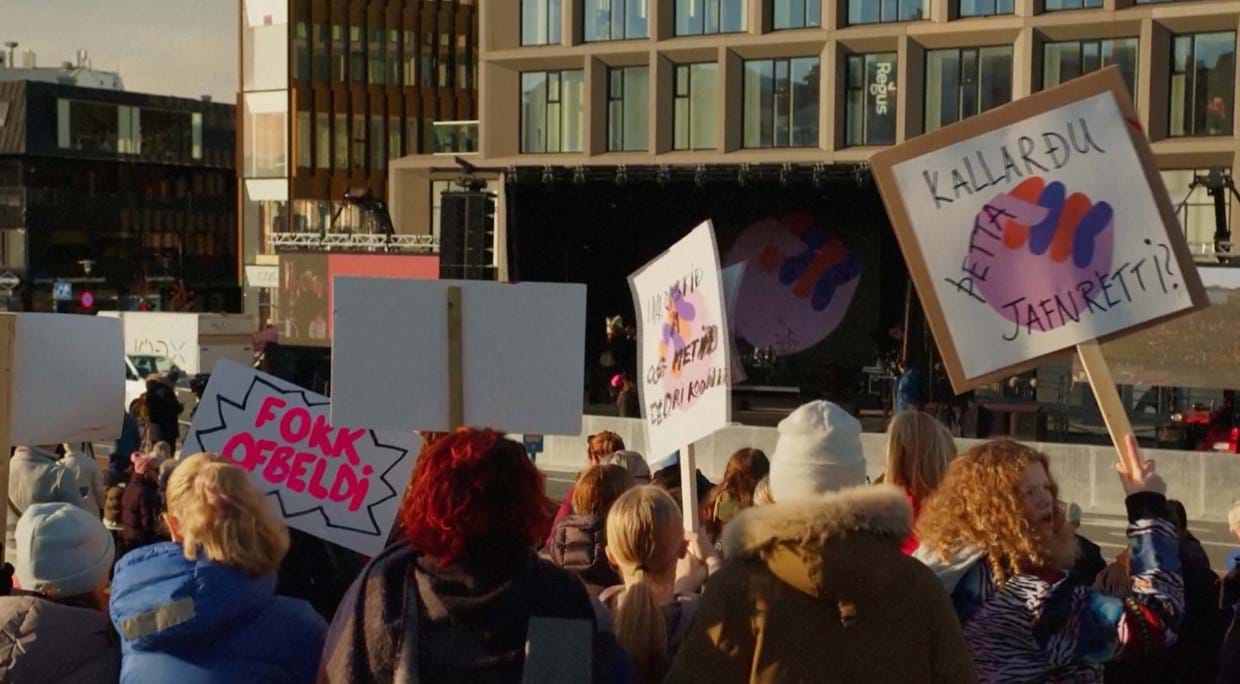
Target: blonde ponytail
(635, 527)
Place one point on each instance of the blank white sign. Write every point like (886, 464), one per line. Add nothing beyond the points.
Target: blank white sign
(523, 349)
(68, 379)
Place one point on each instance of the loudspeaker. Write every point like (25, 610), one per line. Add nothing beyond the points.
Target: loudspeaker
(467, 236)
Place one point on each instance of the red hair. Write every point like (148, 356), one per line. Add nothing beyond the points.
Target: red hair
(475, 495)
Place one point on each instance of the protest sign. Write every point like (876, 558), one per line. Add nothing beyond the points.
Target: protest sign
(1036, 227)
(60, 381)
(338, 483)
(508, 357)
(684, 349)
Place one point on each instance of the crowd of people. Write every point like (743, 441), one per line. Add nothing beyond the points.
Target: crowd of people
(954, 567)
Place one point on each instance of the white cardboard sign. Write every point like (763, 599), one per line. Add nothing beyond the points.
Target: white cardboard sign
(522, 347)
(68, 379)
(342, 484)
(1037, 227)
(684, 347)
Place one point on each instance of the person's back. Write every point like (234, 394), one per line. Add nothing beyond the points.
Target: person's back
(203, 609)
(578, 545)
(42, 642)
(820, 591)
(55, 629)
(219, 625)
(88, 476)
(35, 477)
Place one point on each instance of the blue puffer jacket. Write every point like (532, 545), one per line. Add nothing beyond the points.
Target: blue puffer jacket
(199, 622)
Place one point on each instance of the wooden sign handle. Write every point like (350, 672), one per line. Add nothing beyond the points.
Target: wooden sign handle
(456, 394)
(1105, 394)
(8, 337)
(688, 488)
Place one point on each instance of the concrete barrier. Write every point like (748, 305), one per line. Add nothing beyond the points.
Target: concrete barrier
(1206, 482)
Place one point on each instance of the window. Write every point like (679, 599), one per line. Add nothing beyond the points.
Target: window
(88, 126)
(883, 11)
(1054, 5)
(378, 144)
(412, 127)
(615, 19)
(781, 102)
(395, 72)
(322, 141)
(430, 57)
(319, 55)
(359, 142)
(301, 51)
(168, 135)
(794, 14)
(341, 163)
(303, 134)
(1203, 70)
(540, 22)
(411, 58)
(265, 137)
(551, 111)
(340, 58)
(129, 123)
(464, 63)
(377, 68)
(986, 8)
(357, 54)
(1195, 208)
(394, 150)
(964, 82)
(445, 57)
(627, 108)
(697, 17)
(454, 137)
(693, 113)
(196, 133)
(870, 112)
(1062, 62)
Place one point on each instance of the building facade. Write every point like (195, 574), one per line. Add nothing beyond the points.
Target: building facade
(332, 91)
(610, 127)
(126, 196)
(803, 82)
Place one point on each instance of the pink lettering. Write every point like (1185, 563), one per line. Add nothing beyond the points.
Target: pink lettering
(266, 412)
(295, 481)
(292, 434)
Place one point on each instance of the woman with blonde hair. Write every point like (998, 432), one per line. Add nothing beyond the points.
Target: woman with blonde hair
(645, 539)
(203, 606)
(918, 451)
(579, 541)
(996, 535)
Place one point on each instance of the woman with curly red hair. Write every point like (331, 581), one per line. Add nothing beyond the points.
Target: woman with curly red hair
(996, 535)
(453, 601)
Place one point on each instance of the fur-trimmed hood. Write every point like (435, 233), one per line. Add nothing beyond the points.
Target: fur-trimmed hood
(841, 546)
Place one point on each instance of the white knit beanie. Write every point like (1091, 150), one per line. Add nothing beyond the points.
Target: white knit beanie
(62, 550)
(818, 452)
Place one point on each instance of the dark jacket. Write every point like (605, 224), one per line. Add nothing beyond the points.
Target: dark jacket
(199, 622)
(1229, 654)
(579, 545)
(129, 442)
(140, 511)
(1089, 562)
(42, 642)
(163, 410)
(453, 624)
(819, 591)
(1193, 658)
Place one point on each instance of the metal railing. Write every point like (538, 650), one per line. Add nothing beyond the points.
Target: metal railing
(354, 242)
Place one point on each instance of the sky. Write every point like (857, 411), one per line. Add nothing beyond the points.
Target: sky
(186, 48)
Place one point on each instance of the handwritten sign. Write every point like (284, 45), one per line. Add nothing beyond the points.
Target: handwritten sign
(341, 484)
(684, 347)
(1036, 227)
